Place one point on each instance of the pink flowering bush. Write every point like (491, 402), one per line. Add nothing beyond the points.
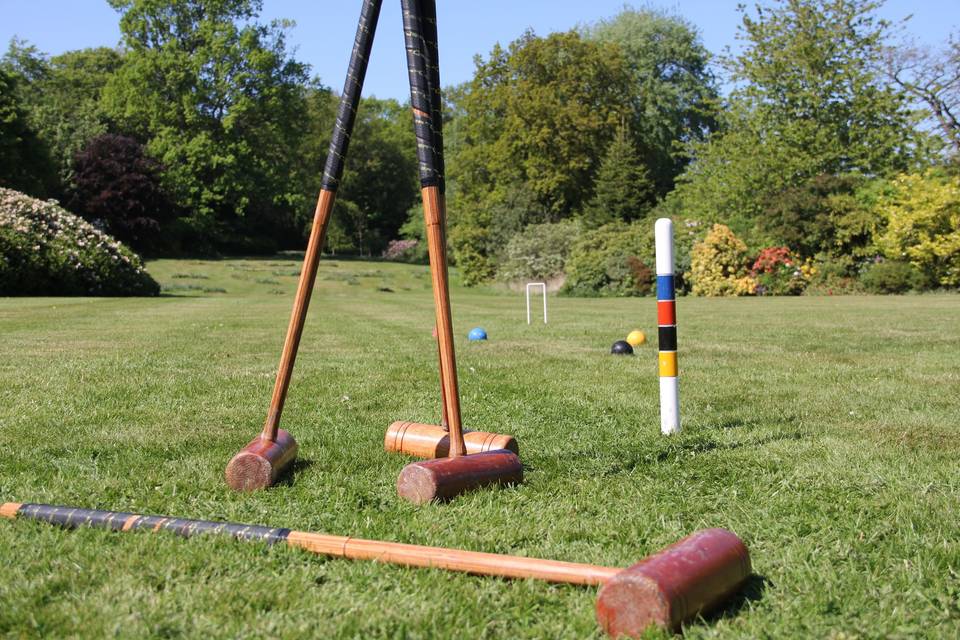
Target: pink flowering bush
(401, 250)
(778, 272)
(46, 250)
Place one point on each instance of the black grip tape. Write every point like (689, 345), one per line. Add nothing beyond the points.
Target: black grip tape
(428, 26)
(72, 518)
(425, 124)
(350, 98)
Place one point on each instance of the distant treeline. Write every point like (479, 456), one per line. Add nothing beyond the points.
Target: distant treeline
(834, 150)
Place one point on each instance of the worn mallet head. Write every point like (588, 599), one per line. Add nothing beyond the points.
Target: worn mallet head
(674, 585)
(260, 463)
(445, 478)
(433, 441)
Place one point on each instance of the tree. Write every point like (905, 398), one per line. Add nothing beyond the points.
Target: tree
(528, 137)
(117, 185)
(623, 189)
(932, 77)
(62, 96)
(220, 103)
(809, 102)
(380, 176)
(25, 164)
(808, 216)
(674, 95)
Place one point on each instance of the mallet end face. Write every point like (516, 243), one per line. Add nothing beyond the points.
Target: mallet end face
(261, 462)
(446, 478)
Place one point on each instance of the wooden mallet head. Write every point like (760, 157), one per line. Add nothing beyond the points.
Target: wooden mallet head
(433, 441)
(674, 585)
(261, 462)
(445, 478)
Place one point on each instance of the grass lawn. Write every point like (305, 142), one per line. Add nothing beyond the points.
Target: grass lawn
(824, 431)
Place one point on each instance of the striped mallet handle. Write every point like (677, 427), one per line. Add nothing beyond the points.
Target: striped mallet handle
(665, 589)
(667, 328)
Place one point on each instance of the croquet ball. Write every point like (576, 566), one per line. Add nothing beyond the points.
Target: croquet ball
(621, 348)
(636, 338)
(477, 333)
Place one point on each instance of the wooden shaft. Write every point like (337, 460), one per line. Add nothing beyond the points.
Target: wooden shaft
(444, 421)
(474, 562)
(308, 277)
(434, 217)
(443, 402)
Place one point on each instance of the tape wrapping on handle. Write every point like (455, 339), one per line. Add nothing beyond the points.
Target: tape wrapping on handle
(350, 98)
(424, 76)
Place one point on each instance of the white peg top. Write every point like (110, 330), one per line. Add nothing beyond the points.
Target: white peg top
(663, 233)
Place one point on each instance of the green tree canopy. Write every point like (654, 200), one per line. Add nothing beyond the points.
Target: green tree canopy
(380, 176)
(808, 102)
(220, 103)
(528, 136)
(25, 164)
(674, 96)
(62, 95)
(623, 189)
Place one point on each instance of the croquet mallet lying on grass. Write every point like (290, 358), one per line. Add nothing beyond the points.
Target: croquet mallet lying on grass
(665, 589)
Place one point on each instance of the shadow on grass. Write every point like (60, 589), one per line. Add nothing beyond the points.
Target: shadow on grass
(290, 473)
(607, 464)
(703, 446)
(751, 591)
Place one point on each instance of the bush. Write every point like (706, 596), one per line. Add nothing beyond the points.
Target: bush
(45, 250)
(718, 265)
(614, 260)
(778, 272)
(539, 252)
(401, 251)
(833, 276)
(891, 276)
(922, 213)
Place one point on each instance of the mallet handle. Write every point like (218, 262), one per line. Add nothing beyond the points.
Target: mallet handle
(424, 75)
(333, 171)
(411, 555)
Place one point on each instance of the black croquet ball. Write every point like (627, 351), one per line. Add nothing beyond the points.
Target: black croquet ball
(621, 348)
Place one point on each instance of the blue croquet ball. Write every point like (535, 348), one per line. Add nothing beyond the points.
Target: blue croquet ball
(477, 333)
(621, 348)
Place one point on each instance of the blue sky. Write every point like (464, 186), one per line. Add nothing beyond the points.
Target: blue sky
(324, 31)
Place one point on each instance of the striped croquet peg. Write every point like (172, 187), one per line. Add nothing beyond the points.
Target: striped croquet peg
(667, 328)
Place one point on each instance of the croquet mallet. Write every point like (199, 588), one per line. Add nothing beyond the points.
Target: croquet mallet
(440, 478)
(266, 457)
(672, 586)
(415, 438)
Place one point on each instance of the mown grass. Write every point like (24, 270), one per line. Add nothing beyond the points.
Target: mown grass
(822, 430)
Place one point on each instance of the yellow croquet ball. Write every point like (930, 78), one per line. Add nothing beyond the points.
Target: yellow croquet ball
(636, 338)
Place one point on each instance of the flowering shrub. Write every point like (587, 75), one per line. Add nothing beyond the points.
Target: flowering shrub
(401, 250)
(718, 265)
(778, 272)
(45, 250)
